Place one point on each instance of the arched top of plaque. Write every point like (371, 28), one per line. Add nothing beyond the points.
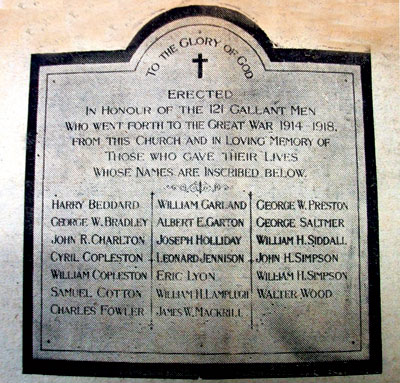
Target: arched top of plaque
(208, 44)
(219, 14)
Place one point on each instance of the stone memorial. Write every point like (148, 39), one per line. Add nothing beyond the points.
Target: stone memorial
(201, 204)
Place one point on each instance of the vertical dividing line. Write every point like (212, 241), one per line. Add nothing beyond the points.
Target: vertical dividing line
(251, 259)
(151, 258)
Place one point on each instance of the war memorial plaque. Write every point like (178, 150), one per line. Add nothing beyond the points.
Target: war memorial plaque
(201, 204)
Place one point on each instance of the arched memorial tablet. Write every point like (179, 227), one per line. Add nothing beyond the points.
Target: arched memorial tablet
(201, 204)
